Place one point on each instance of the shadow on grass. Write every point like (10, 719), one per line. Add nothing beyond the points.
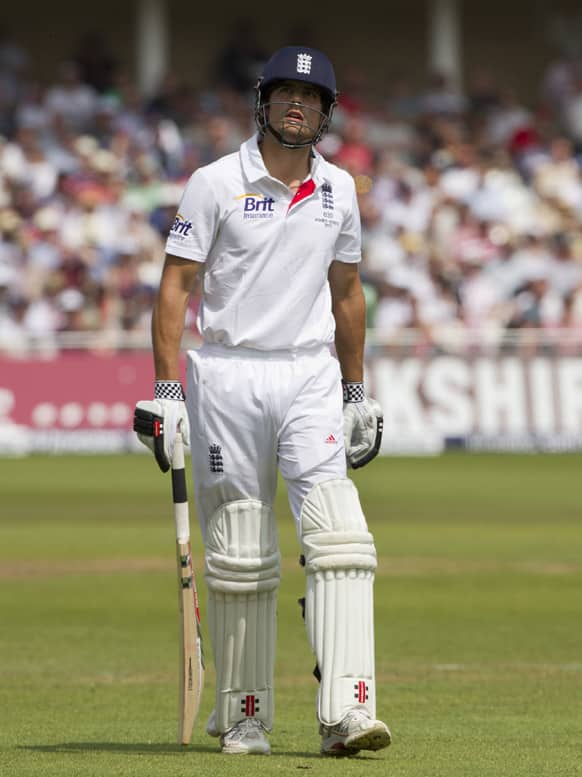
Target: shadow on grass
(151, 748)
(119, 747)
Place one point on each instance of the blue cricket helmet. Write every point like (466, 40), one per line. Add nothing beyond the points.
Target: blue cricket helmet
(301, 63)
(297, 63)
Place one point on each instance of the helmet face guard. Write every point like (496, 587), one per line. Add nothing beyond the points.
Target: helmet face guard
(315, 133)
(296, 63)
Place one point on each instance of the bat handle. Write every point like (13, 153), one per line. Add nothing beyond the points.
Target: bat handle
(179, 491)
(178, 452)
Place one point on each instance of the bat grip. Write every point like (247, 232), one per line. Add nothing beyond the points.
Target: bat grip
(178, 452)
(179, 491)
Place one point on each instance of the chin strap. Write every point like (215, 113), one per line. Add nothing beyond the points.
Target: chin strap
(279, 138)
(263, 125)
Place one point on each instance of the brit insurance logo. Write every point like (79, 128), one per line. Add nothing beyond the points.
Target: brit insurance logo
(181, 226)
(255, 206)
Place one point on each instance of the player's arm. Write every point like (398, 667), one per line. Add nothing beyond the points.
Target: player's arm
(349, 311)
(363, 420)
(156, 421)
(177, 282)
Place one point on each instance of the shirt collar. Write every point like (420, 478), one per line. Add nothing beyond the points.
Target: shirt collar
(317, 167)
(252, 160)
(254, 167)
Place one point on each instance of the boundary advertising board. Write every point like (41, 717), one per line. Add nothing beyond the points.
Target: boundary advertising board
(83, 401)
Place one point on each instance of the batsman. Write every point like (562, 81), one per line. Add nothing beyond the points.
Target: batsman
(276, 386)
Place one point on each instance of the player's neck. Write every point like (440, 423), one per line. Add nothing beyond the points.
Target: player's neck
(288, 165)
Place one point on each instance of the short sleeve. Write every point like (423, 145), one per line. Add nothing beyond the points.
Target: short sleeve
(348, 247)
(194, 228)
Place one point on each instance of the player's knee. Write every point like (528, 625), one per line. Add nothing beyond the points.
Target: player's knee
(334, 533)
(242, 552)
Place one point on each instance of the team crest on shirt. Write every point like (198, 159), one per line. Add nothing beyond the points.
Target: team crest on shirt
(256, 206)
(327, 206)
(326, 196)
(215, 459)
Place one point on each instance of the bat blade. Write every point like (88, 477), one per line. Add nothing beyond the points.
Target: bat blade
(191, 657)
(191, 666)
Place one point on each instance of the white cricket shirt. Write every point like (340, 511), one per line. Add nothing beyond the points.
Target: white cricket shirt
(266, 251)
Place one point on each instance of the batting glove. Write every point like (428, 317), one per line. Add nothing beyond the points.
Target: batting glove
(363, 424)
(156, 421)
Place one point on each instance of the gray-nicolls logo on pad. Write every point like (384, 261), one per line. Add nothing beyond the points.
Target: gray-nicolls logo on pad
(304, 63)
(215, 458)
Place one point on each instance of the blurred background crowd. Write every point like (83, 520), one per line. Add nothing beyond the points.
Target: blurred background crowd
(470, 199)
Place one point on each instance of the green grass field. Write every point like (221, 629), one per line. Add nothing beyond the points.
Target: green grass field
(478, 622)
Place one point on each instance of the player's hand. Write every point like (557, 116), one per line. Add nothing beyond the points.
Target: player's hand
(363, 424)
(156, 421)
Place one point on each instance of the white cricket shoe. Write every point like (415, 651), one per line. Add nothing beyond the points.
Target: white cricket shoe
(357, 731)
(247, 737)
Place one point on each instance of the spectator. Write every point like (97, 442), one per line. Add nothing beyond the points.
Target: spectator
(558, 172)
(481, 299)
(31, 111)
(572, 311)
(529, 261)
(70, 101)
(13, 334)
(14, 69)
(441, 97)
(482, 94)
(381, 245)
(572, 114)
(471, 242)
(25, 163)
(354, 153)
(219, 136)
(461, 175)
(557, 85)
(565, 271)
(395, 310)
(410, 208)
(505, 118)
(536, 305)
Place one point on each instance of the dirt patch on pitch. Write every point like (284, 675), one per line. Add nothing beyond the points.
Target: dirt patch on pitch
(409, 566)
(22, 570)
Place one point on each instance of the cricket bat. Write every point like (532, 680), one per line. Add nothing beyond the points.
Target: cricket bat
(191, 662)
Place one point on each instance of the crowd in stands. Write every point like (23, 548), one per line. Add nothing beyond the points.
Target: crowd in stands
(470, 199)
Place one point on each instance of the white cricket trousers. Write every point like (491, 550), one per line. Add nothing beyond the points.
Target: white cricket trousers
(253, 413)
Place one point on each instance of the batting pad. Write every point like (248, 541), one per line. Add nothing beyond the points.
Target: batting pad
(242, 573)
(340, 560)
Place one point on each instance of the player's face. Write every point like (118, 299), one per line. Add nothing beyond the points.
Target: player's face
(295, 110)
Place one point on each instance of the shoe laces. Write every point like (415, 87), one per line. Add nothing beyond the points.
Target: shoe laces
(249, 727)
(354, 716)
